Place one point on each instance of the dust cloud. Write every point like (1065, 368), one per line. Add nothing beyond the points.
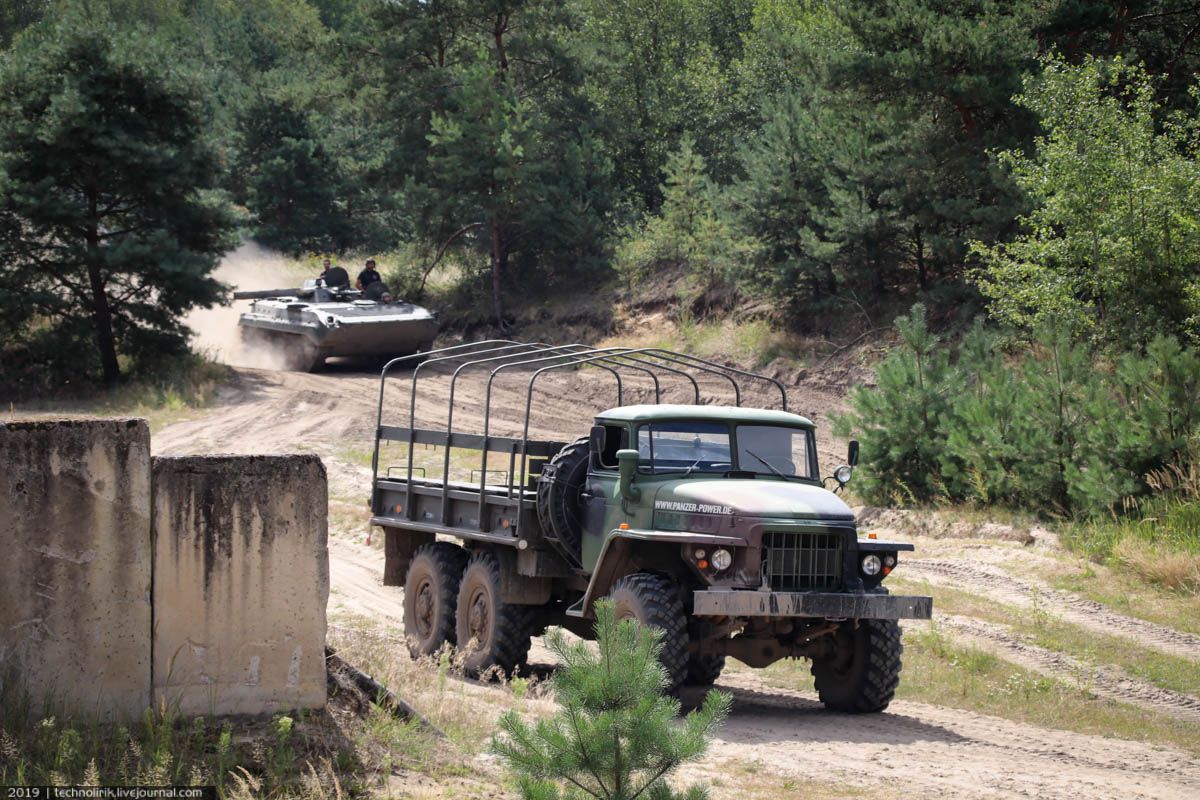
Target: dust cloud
(250, 267)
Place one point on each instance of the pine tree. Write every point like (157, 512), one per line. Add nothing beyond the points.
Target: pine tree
(900, 422)
(110, 217)
(616, 736)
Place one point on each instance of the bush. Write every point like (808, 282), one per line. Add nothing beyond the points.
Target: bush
(1053, 428)
(616, 736)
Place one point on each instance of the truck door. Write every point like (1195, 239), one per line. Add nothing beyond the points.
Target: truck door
(600, 504)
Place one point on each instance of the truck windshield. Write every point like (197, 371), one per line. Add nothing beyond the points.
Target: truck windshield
(772, 449)
(706, 447)
(684, 447)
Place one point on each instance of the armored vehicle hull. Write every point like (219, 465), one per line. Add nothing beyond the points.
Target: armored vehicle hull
(306, 330)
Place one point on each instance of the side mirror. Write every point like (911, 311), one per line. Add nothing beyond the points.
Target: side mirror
(852, 455)
(598, 437)
(627, 462)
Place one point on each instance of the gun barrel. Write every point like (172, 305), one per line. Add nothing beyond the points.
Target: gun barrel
(259, 294)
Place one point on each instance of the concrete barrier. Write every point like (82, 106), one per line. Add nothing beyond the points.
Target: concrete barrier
(75, 611)
(241, 580)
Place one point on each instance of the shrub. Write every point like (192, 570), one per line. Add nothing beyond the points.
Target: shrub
(1053, 428)
(616, 736)
(899, 421)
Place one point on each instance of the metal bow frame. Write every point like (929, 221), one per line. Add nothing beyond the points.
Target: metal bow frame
(505, 355)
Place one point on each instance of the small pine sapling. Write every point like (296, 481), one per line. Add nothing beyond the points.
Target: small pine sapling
(616, 737)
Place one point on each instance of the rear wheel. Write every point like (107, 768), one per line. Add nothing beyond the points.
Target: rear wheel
(431, 596)
(491, 632)
(654, 600)
(863, 674)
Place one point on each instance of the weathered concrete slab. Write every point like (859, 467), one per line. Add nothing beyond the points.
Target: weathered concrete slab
(241, 579)
(75, 543)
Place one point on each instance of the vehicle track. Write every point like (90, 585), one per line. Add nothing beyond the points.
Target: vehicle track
(1101, 680)
(1072, 608)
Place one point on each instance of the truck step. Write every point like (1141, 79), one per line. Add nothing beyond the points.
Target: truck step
(576, 610)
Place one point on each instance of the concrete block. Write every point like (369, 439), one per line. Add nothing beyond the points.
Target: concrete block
(75, 541)
(241, 580)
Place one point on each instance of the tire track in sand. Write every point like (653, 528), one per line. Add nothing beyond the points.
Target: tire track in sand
(1103, 681)
(1072, 608)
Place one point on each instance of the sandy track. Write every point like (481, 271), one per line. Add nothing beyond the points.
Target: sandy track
(1103, 681)
(1072, 608)
(924, 750)
(940, 752)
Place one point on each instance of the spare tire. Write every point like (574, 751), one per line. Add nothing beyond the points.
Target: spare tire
(559, 506)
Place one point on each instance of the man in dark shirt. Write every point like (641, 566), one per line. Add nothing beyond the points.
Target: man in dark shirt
(368, 276)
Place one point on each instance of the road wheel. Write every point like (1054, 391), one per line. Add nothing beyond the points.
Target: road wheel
(703, 669)
(430, 597)
(862, 676)
(491, 632)
(559, 486)
(654, 600)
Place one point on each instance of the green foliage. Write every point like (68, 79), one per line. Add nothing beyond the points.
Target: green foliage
(111, 218)
(616, 736)
(899, 422)
(500, 160)
(1111, 246)
(292, 181)
(692, 228)
(162, 749)
(662, 73)
(1054, 429)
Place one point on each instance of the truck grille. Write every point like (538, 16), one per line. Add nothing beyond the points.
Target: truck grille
(801, 560)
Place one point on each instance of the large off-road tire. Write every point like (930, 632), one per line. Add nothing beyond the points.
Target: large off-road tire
(703, 669)
(654, 600)
(863, 675)
(431, 597)
(559, 506)
(491, 633)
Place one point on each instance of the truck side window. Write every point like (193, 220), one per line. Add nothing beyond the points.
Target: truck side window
(616, 438)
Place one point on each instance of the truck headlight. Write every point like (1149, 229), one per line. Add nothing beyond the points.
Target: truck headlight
(843, 474)
(871, 564)
(721, 559)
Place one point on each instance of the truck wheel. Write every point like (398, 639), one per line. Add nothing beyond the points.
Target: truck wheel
(863, 675)
(703, 669)
(558, 490)
(430, 597)
(491, 632)
(654, 601)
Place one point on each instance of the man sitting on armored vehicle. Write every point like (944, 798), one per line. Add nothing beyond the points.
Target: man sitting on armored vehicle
(368, 276)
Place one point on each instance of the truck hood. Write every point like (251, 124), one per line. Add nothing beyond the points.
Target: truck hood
(751, 497)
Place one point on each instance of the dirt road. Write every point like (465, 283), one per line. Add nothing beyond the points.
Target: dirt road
(913, 750)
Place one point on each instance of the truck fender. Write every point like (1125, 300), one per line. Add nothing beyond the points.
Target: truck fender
(615, 562)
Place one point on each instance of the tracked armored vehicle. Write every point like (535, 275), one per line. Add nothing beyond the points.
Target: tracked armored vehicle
(709, 522)
(315, 322)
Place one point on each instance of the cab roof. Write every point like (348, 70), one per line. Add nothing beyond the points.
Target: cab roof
(665, 411)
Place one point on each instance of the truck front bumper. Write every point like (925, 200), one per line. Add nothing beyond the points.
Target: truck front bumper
(826, 605)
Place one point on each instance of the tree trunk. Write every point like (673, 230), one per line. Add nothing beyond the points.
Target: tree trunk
(922, 269)
(101, 313)
(498, 259)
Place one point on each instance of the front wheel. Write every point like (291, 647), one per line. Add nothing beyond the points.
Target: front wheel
(654, 601)
(704, 669)
(862, 675)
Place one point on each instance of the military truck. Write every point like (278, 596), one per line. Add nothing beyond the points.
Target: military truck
(709, 522)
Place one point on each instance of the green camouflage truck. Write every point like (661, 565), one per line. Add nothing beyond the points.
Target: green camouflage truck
(709, 522)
